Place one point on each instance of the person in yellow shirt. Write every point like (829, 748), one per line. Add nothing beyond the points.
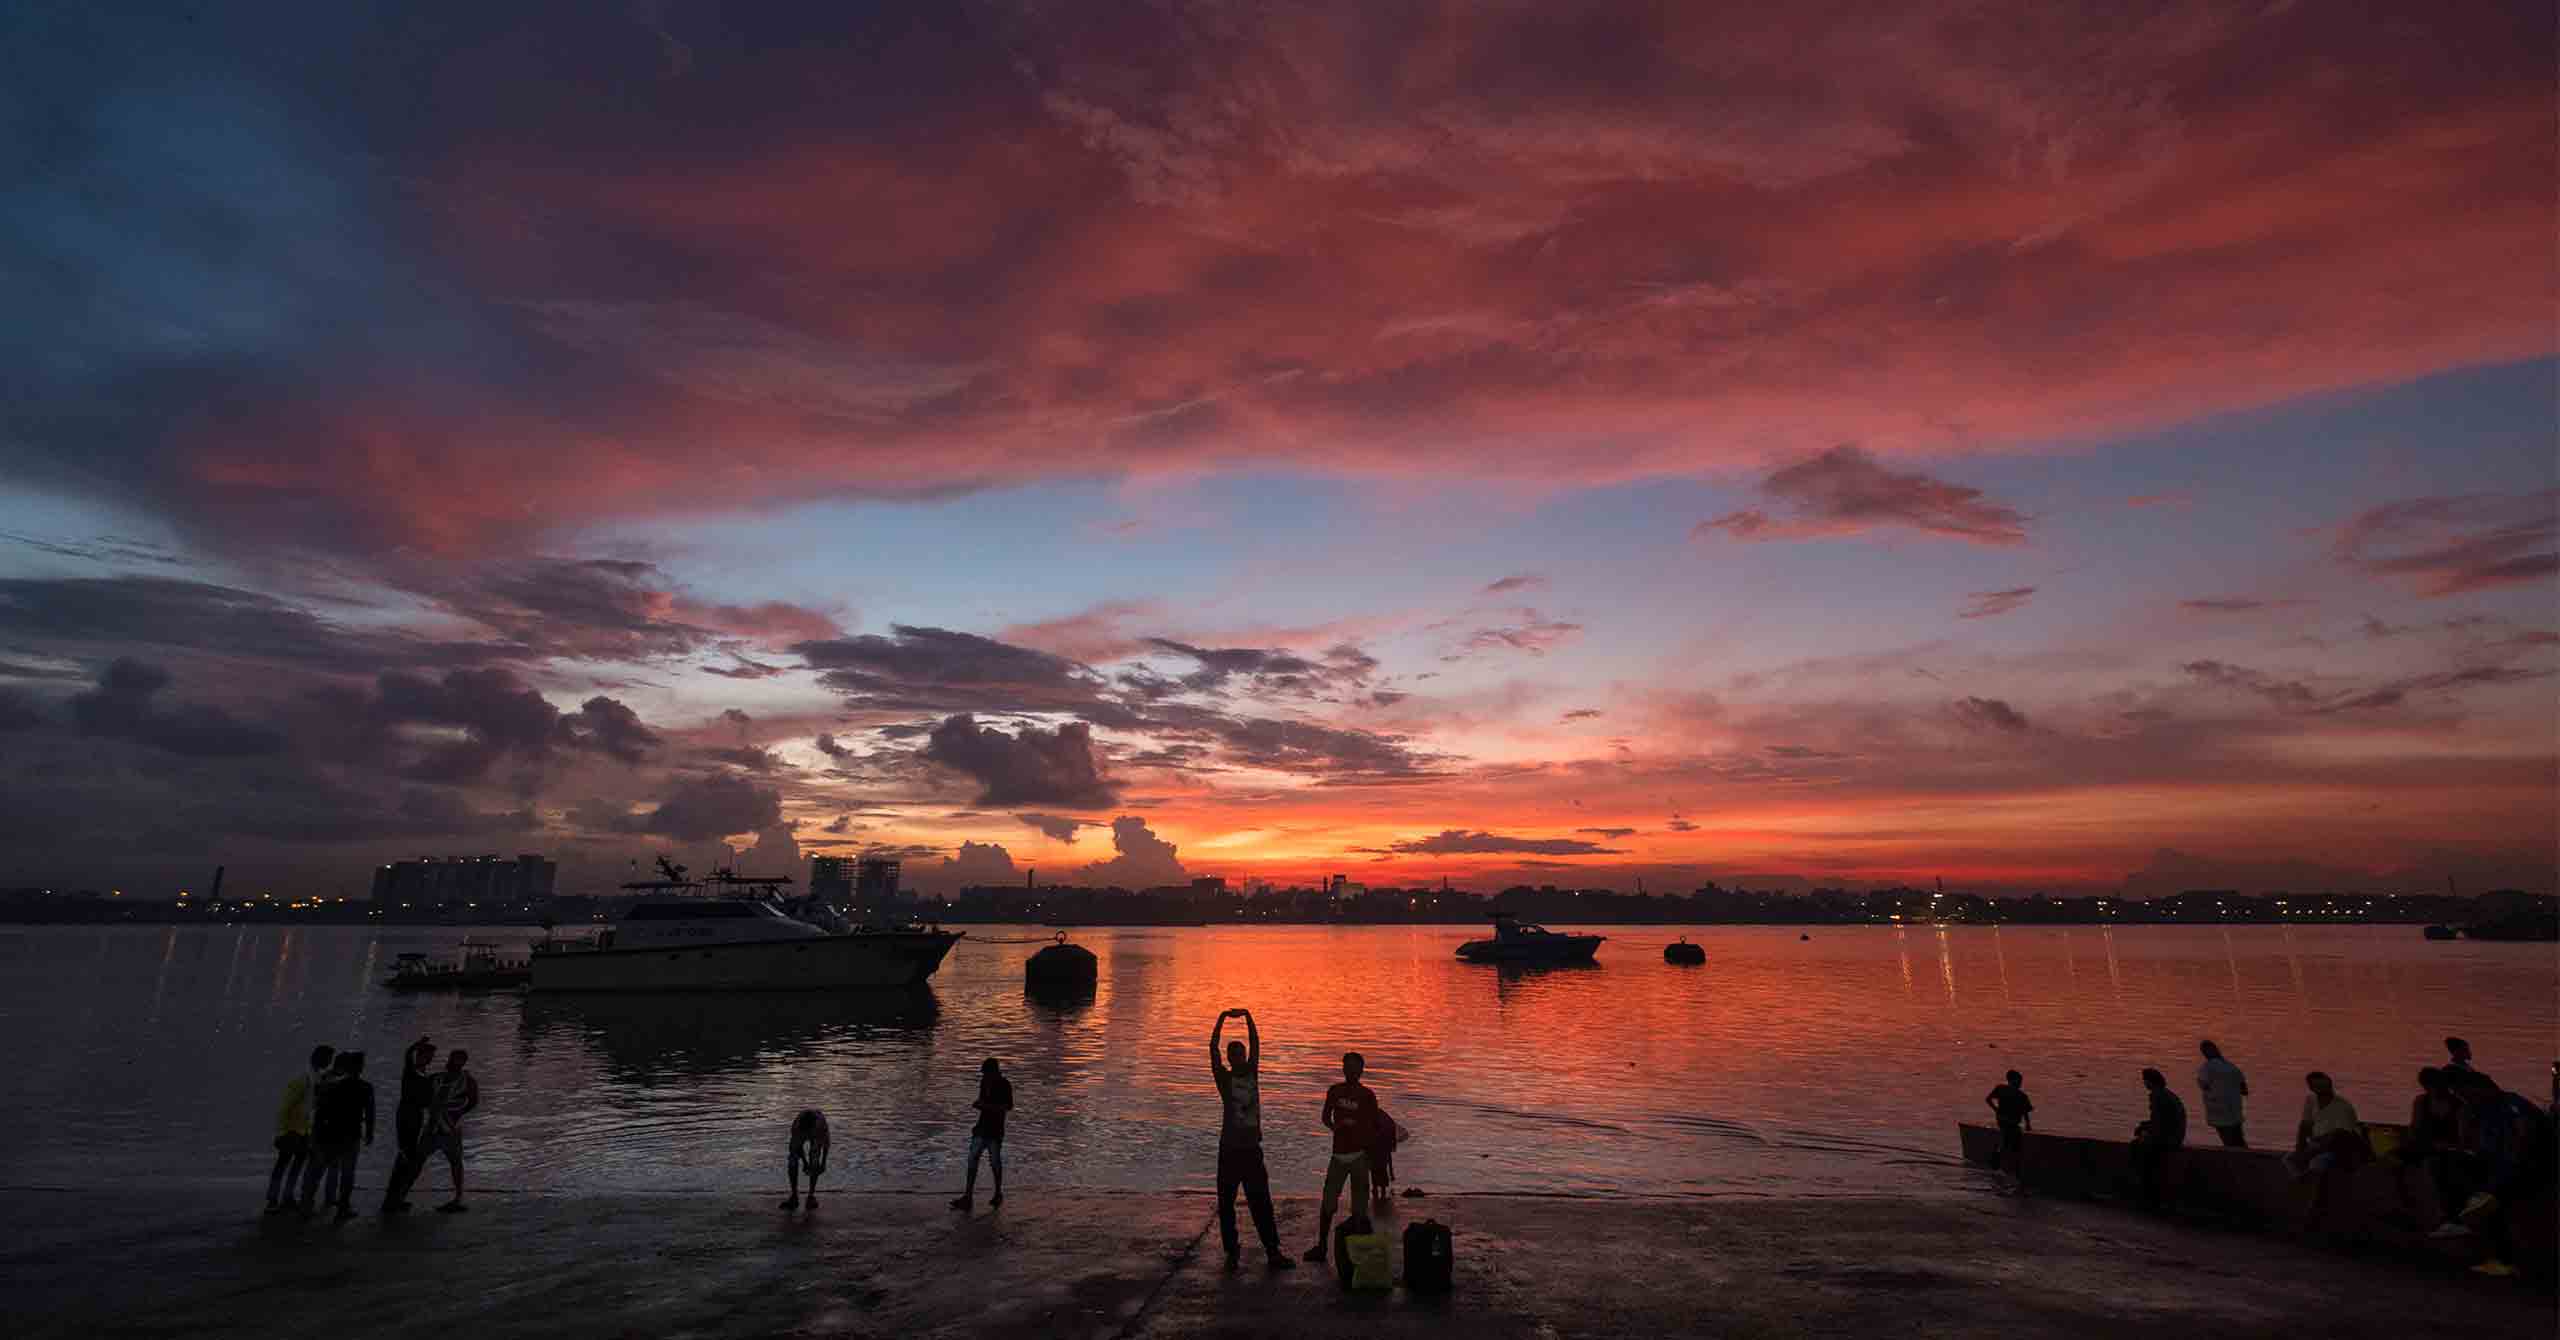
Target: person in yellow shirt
(293, 1129)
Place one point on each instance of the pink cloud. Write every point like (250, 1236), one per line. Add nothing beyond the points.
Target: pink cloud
(1845, 491)
(2449, 545)
(1346, 245)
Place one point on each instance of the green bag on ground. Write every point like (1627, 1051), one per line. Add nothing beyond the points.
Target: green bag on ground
(1363, 1259)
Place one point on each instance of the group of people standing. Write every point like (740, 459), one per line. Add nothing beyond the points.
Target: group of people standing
(2481, 1145)
(1362, 1158)
(325, 1122)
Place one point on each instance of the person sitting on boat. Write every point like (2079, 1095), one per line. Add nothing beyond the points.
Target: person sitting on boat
(809, 1151)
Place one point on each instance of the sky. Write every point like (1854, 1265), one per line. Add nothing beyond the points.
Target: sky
(2040, 445)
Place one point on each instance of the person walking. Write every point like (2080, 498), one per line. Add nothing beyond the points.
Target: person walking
(408, 1122)
(455, 1097)
(293, 1130)
(995, 1100)
(341, 1127)
(2164, 1131)
(2223, 1088)
(1350, 1112)
(2015, 1112)
(1238, 1075)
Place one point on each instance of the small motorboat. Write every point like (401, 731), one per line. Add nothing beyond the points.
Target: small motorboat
(1516, 943)
(2441, 933)
(1684, 953)
(479, 969)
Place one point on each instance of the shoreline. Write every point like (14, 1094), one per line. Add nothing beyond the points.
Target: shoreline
(1132, 1265)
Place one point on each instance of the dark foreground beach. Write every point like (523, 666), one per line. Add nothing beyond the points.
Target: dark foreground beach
(1089, 1265)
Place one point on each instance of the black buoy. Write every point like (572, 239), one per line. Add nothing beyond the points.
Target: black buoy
(1684, 953)
(1060, 966)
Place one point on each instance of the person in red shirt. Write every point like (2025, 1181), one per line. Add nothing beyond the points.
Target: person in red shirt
(1351, 1113)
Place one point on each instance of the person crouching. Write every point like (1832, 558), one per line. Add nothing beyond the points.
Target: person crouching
(808, 1152)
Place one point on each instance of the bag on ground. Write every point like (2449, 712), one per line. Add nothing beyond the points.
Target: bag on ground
(1428, 1267)
(1362, 1257)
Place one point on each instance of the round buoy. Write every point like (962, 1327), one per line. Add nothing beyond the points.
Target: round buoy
(1684, 953)
(1060, 966)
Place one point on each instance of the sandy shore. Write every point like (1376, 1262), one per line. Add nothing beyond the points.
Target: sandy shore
(1095, 1265)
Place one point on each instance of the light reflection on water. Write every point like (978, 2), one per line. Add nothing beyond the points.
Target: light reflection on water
(1783, 1065)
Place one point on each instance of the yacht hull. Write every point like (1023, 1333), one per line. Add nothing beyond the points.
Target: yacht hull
(1577, 949)
(861, 960)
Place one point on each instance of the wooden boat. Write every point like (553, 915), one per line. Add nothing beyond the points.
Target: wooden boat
(1684, 953)
(2385, 1202)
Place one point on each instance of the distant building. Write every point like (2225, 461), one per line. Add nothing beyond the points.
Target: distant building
(1209, 886)
(831, 878)
(875, 879)
(441, 881)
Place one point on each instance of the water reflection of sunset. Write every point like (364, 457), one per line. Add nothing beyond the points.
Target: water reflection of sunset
(1838, 1063)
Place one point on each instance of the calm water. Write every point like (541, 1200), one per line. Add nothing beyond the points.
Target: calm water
(1783, 1066)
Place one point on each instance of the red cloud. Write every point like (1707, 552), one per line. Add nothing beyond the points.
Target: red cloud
(1352, 244)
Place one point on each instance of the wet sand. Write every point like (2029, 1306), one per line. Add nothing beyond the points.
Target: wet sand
(1144, 1265)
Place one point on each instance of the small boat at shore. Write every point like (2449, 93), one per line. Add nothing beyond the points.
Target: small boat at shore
(480, 968)
(2441, 933)
(2384, 1201)
(1513, 942)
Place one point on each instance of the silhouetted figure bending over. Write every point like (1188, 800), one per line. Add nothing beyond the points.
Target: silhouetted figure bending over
(2015, 1112)
(1351, 1113)
(1238, 1075)
(2163, 1131)
(995, 1099)
(809, 1151)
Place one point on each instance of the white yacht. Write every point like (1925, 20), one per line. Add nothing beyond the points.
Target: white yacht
(726, 934)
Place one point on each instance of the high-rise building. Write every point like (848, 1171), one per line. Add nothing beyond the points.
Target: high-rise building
(831, 878)
(444, 881)
(875, 879)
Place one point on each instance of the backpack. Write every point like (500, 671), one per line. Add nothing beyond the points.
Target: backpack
(1428, 1263)
(1362, 1256)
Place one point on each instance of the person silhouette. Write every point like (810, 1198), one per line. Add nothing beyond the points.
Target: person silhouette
(808, 1150)
(994, 1101)
(1351, 1113)
(1238, 1075)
